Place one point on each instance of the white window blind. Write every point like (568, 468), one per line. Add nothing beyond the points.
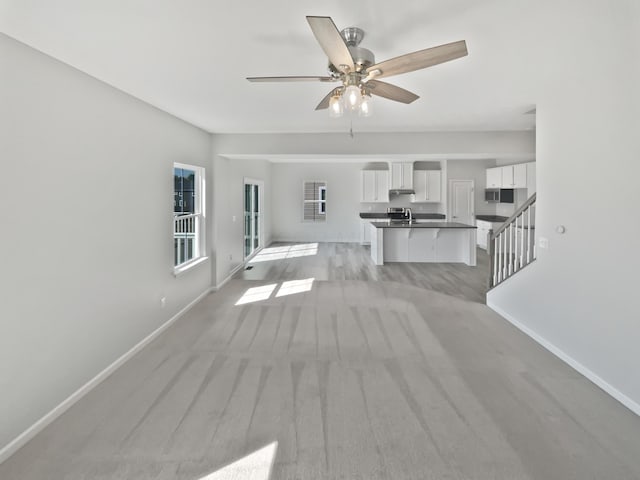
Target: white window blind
(314, 201)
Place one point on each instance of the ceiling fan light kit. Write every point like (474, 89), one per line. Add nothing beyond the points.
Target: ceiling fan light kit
(336, 108)
(356, 69)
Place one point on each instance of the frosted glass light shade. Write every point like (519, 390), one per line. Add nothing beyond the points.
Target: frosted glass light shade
(335, 107)
(352, 97)
(366, 106)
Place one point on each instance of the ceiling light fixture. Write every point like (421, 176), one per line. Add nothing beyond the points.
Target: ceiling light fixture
(356, 69)
(366, 106)
(351, 99)
(335, 106)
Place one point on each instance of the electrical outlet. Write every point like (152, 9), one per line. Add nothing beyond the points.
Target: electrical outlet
(233, 218)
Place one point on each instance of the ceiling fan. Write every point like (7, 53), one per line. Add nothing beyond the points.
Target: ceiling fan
(355, 68)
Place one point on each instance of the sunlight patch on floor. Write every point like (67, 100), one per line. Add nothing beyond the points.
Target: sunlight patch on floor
(255, 466)
(256, 294)
(263, 292)
(295, 286)
(286, 251)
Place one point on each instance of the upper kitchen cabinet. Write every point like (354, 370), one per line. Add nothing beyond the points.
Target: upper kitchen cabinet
(531, 178)
(514, 176)
(375, 186)
(401, 175)
(427, 185)
(494, 177)
(509, 176)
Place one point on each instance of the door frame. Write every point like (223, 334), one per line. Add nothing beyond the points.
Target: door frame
(450, 198)
(260, 184)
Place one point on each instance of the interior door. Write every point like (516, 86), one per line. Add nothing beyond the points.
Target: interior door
(461, 201)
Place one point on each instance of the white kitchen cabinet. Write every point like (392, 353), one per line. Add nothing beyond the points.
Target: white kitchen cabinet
(507, 176)
(484, 229)
(514, 176)
(531, 178)
(427, 185)
(365, 234)
(494, 177)
(520, 175)
(401, 175)
(382, 185)
(375, 186)
(365, 228)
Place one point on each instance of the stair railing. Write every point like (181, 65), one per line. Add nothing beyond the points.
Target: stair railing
(513, 246)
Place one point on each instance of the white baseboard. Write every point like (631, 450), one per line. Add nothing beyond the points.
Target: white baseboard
(37, 427)
(217, 287)
(573, 363)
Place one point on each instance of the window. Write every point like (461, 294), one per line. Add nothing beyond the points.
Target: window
(314, 201)
(188, 215)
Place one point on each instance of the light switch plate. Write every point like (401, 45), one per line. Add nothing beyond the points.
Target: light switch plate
(543, 242)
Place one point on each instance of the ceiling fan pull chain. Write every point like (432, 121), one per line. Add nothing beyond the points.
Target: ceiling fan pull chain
(351, 128)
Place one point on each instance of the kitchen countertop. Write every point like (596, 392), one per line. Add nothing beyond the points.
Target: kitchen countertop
(422, 225)
(421, 216)
(492, 218)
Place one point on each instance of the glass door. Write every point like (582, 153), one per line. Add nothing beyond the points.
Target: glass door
(252, 216)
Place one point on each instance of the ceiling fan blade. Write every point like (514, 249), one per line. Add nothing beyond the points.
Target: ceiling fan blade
(417, 60)
(324, 103)
(291, 79)
(386, 90)
(331, 42)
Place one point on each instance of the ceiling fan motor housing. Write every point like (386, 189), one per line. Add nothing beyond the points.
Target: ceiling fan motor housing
(362, 59)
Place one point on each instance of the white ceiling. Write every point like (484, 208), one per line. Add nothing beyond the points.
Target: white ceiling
(190, 58)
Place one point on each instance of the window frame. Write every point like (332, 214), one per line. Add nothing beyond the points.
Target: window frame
(322, 203)
(199, 215)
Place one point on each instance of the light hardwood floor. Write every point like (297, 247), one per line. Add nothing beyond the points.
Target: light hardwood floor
(349, 261)
(368, 378)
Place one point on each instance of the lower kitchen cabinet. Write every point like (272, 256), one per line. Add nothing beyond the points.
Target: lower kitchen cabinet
(484, 230)
(365, 230)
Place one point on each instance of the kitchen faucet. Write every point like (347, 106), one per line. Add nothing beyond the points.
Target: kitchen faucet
(408, 211)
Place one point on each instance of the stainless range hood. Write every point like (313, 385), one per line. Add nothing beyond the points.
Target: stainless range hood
(402, 191)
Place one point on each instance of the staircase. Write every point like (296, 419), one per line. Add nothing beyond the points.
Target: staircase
(513, 246)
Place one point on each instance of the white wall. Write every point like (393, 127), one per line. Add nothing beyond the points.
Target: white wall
(87, 196)
(581, 295)
(228, 202)
(343, 202)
